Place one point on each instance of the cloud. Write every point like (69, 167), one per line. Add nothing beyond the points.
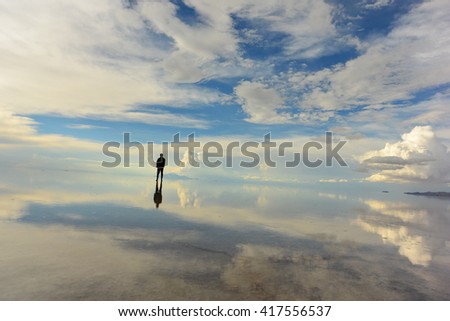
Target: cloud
(376, 4)
(13, 125)
(216, 38)
(145, 62)
(390, 71)
(113, 60)
(19, 131)
(84, 126)
(419, 156)
(24, 149)
(308, 24)
(260, 103)
(266, 105)
(392, 68)
(98, 61)
(433, 111)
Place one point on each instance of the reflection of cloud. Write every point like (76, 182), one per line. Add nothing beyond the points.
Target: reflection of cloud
(262, 201)
(403, 211)
(401, 225)
(61, 263)
(334, 180)
(280, 259)
(10, 208)
(261, 272)
(187, 198)
(270, 179)
(419, 156)
(411, 246)
(333, 196)
(49, 187)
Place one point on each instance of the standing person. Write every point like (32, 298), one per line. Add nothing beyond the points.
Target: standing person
(160, 163)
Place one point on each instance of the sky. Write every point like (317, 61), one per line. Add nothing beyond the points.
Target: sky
(376, 73)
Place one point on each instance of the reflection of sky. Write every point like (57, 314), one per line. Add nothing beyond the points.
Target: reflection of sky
(413, 227)
(87, 235)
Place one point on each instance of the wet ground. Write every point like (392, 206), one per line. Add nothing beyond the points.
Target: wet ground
(88, 236)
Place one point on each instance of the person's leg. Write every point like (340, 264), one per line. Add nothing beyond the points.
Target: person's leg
(157, 173)
(162, 173)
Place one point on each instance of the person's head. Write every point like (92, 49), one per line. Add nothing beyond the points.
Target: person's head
(161, 155)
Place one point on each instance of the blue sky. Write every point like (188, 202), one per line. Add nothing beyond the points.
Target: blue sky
(372, 71)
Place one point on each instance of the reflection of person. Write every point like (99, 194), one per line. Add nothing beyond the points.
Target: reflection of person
(160, 163)
(157, 197)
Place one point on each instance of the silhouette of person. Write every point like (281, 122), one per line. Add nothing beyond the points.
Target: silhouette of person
(160, 163)
(157, 197)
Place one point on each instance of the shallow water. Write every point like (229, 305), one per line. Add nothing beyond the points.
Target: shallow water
(88, 236)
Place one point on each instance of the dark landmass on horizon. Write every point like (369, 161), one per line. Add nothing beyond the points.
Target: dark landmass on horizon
(431, 194)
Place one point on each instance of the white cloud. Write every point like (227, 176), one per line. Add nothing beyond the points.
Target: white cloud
(22, 147)
(265, 104)
(260, 103)
(179, 67)
(307, 23)
(432, 111)
(215, 36)
(376, 4)
(84, 126)
(102, 60)
(83, 59)
(19, 130)
(106, 60)
(419, 156)
(13, 125)
(413, 56)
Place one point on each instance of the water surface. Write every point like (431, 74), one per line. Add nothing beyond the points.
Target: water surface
(87, 236)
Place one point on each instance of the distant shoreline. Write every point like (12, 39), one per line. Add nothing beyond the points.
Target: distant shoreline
(431, 194)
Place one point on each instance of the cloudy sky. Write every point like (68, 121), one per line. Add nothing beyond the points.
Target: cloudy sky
(75, 74)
